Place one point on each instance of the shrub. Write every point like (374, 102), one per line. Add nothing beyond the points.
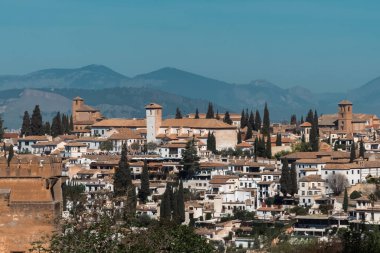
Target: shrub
(355, 195)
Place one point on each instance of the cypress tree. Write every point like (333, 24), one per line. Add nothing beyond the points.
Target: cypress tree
(190, 160)
(256, 148)
(210, 111)
(293, 180)
(56, 126)
(248, 134)
(242, 119)
(345, 200)
(310, 117)
(217, 115)
(165, 210)
(257, 121)
(10, 155)
(36, 122)
(178, 114)
(227, 118)
(303, 139)
(279, 140)
(196, 114)
(1, 128)
(261, 150)
(361, 149)
(209, 140)
(302, 121)
(266, 121)
(25, 128)
(314, 133)
(181, 203)
(293, 120)
(174, 206)
(144, 190)
(238, 137)
(284, 180)
(47, 128)
(251, 121)
(353, 152)
(268, 148)
(71, 123)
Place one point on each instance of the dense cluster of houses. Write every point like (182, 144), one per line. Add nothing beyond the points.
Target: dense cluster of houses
(223, 185)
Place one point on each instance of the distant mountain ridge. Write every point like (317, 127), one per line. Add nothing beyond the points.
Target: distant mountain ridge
(102, 87)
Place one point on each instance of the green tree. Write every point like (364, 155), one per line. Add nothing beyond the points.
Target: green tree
(36, 122)
(266, 121)
(314, 133)
(25, 128)
(361, 149)
(144, 190)
(106, 145)
(268, 147)
(56, 125)
(293, 180)
(47, 128)
(285, 176)
(10, 155)
(181, 203)
(345, 200)
(211, 142)
(293, 120)
(196, 114)
(238, 137)
(353, 152)
(210, 111)
(278, 140)
(248, 134)
(190, 160)
(217, 115)
(150, 146)
(227, 119)
(310, 117)
(257, 121)
(178, 114)
(242, 119)
(165, 206)
(251, 120)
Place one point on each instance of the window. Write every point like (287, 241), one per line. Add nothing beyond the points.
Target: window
(326, 172)
(358, 171)
(303, 184)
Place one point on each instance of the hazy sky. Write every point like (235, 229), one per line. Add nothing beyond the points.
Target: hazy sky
(322, 45)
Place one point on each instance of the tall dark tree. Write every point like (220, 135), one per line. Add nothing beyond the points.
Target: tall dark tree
(196, 114)
(293, 120)
(144, 190)
(293, 180)
(238, 137)
(10, 155)
(181, 203)
(190, 160)
(165, 206)
(266, 121)
(25, 128)
(279, 140)
(248, 134)
(310, 117)
(227, 119)
(56, 126)
(255, 148)
(257, 121)
(242, 119)
(314, 133)
(285, 176)
(261, 148)
(178, 114)
(217, 116)
(47, 128)
(210, 111)
(1, 128)
(65, 124)
(268, 147)
(302, 121)
(36, 126)
(353, 152)
(345, 200)
(211, 142)
(251, 120)
(71, 123)
(123, 185)
(361, 149)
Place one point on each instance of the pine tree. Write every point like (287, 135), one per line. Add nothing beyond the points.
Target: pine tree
(217, 115)
(261, 150)
(36, 126)
(238, 137)
(251, 121)
(209, 142)
(165, 209)
(144, 190)
(1, 129)
(56, 126)
(47, 128)
(284, 180)
(345, 200)
(266, 121)
(279, 140)
(210, 111)
(190, 160)
(310, 117)
(227, 118)
(71, 123)
(25, 128)
(174, 206)
(361, 149)
(248, 134)
(181, 203)
(293, 120)
(196, 114)
(178, 114)
(268, 148)
(353, 152)
(242, 119)
(257, 121)
(293, 180)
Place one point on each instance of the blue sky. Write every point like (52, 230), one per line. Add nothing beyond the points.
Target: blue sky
(323, 45)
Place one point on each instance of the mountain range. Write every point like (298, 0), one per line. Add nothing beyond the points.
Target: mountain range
(117, 95)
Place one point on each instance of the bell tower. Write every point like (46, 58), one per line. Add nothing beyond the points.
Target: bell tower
(345, 116)
(153, 121)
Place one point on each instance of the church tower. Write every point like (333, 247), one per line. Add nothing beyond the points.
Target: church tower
(76, 104)
(345, 116)
(153, 121)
